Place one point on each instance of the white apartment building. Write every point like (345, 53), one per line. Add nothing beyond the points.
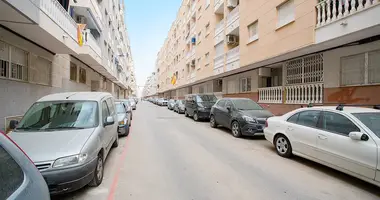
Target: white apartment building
(150, 87)
(41, 51)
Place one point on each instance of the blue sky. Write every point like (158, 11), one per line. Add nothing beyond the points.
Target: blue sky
(148, 23)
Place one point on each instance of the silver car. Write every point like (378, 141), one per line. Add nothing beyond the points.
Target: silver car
(133, 104)
(123, 119)
(20, 179)
(68, 137)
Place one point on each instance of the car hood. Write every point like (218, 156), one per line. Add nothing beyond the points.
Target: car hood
(206, 104)
(120, 117)
(257, 113)
(50, 145)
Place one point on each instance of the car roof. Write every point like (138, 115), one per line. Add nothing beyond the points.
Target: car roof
(76, 96)
(347, 109)
(231, 98)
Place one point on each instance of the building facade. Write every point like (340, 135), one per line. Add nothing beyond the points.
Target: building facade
(150, 87)
(281, 53)
(49, 46)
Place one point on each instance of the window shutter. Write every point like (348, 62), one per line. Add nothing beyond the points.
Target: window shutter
(374, 67)
(353, 70)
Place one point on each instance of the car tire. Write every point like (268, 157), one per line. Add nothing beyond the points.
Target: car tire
(235, 129)
(116, 142)
(213, 123)
(195, 116)
(127, 132)
(98, 172)
(283, 146)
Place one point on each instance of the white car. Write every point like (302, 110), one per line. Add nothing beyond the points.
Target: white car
(344, 138)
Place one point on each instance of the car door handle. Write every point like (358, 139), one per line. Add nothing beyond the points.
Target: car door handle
(290, 129)
(322, 137)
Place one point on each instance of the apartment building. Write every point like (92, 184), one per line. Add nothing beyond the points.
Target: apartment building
(49, 46)
(280, 53)
(150, 87)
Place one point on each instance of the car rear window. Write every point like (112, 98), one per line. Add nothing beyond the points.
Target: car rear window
(11, 175)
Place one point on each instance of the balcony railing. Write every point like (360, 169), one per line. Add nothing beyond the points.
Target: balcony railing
(233, 15)
(219, 27)
(59, 15)
(217, 4)
(233, 54)
(91, 42)
(332, 10)
(218, 61)
(270, 95)
(304, 94)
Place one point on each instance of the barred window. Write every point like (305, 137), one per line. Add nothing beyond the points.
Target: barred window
(82, 75)
(73, 71)
(19, 60)
(361, 69)
(245, 85)
(308, 69)
(4, 59)
(40, 72)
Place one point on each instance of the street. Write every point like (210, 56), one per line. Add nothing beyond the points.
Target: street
(168, 156)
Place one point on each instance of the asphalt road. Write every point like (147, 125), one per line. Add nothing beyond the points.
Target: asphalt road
(170, 157)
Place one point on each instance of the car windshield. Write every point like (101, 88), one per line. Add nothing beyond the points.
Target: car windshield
(60, 115)
(246, 104)
(371, 120)
(206, 98)
(120, 108)
(127, 102)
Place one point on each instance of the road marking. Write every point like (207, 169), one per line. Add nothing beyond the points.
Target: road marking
(122, 157)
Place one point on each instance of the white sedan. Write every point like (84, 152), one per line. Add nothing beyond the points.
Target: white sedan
(344, 138)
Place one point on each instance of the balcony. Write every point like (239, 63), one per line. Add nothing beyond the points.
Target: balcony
(90, 52)
(219, 7)
(347, 21)
(304, 94)
(233, 22)
(90, 10)
(233, 59)
(44, 22)
(271, 94)
(219, 35)
(219, 61)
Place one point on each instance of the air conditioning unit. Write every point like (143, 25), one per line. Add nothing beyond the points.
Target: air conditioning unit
(232, 39)
(232, 3)
(81, 19)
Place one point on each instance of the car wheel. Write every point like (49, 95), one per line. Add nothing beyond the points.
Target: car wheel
(283, 146)
(98, 172)
(195, 116)
(127, 131)
(235, 128)
(116, 142)
(213, 123)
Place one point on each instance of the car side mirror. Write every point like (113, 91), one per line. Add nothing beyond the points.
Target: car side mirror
(109, 121)
(229, 108)
(358, 136)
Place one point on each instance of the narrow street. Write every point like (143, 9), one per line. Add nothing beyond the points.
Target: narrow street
(168, 156)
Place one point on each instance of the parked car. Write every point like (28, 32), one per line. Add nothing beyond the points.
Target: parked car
(241, 115)
(199, 106)
(171, 104)
(128, 106)
(133, 103)
(344, 138)
(68, 137)
(179, 106)
(123, 119)
(20, 179)
(162, 102)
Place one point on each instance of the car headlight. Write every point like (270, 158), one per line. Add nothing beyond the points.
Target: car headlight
(201, 108)
(123, 122)
(249, 119)
(70, 160)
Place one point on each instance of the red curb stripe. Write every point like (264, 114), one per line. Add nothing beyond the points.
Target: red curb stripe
(115, 181)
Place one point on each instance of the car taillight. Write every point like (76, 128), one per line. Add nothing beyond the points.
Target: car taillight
(17, 147)
(266, 123)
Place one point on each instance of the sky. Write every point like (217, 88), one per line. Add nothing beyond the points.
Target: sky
(148, 23)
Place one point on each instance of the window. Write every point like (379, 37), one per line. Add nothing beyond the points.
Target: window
(4, 59)
(111, 106)
(308, 69)
(207, 57)
(11, 174)
(207, 29)
(253, 32)
(294, 118)
(309, 118)
(40, 72)
(245, 85)
(229, 104)
(207, 4)
(199, 36)
(82, 75)
(338, 123)
(19, 60)
(73, 71)
(360, 69)
(285, 13)
(371, 120)
(105, 111)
